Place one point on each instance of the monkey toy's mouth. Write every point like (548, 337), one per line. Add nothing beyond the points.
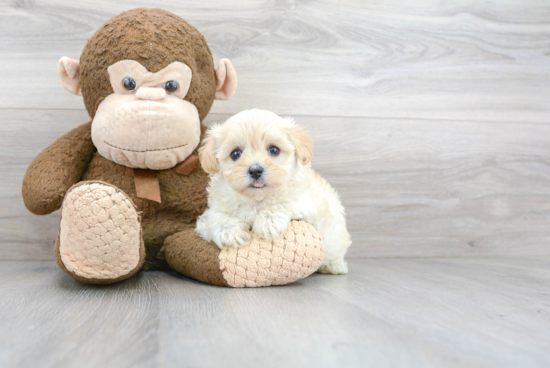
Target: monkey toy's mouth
(146, 150)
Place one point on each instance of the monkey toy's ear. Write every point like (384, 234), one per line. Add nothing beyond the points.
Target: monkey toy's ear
(68, 70)
(226, 80)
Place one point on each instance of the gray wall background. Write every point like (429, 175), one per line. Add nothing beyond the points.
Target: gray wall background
(430, 118)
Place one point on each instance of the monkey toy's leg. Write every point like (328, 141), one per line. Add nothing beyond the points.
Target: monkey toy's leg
(297, 254)
(99, 239)
(192, 256)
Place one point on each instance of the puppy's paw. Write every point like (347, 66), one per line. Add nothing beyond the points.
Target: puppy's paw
(336, 267)
(232, 236)
(270, 226)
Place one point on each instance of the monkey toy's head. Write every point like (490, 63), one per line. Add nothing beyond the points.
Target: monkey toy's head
(148, 80)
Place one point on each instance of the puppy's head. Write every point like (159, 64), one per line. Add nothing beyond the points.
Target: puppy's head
(256, 151)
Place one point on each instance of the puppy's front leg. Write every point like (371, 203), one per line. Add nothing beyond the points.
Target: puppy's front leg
(271, 224)
(223, 230)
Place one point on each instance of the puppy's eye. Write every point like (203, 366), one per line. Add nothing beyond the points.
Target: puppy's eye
(129, 84)
(274, 151)
(171, 86)
(236, 154)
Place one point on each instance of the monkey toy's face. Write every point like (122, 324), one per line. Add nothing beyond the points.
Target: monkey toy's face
(148, 79)
(146, 123)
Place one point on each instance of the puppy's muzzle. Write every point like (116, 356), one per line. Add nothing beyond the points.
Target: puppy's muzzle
(255, 172)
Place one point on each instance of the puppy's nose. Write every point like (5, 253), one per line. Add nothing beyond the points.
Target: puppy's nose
(256, 171)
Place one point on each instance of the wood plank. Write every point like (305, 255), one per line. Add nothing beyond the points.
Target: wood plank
(385, 313)
(465, 60)
(412, 188)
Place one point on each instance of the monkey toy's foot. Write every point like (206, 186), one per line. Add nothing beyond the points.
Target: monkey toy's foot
(99, 239)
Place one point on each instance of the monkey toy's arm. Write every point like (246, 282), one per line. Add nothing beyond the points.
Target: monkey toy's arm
(56, 169)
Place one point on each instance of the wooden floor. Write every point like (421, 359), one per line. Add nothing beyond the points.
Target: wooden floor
(385, 313)
(430, 118)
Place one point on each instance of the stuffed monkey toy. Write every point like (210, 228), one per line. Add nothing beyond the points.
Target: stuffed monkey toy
(129, 183)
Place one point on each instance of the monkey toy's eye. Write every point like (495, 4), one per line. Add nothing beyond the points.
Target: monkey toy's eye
(274, 151)
(236, 154)
(171, 86)
(129, 84)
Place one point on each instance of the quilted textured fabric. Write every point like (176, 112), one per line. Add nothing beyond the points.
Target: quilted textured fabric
(292, 257)
(100, 232)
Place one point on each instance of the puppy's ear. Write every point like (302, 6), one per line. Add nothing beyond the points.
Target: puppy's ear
(207, 153)
(303, 144)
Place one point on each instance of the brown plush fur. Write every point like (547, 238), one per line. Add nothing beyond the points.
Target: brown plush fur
(56, 169)
(155, 38)
(190, 255)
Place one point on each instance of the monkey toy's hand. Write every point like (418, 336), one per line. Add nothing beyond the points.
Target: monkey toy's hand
(56, 169)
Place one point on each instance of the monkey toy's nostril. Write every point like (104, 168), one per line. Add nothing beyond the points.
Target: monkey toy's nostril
(256, 171)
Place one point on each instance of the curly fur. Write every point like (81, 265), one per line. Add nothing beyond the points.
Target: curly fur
(288, 189)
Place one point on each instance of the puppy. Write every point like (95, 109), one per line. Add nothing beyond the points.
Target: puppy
(261, 178)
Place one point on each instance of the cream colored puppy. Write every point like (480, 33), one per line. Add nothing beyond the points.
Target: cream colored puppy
(261, 178)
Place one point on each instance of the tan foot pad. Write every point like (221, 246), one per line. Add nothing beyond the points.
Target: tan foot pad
(292, 257)
(100, 234)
